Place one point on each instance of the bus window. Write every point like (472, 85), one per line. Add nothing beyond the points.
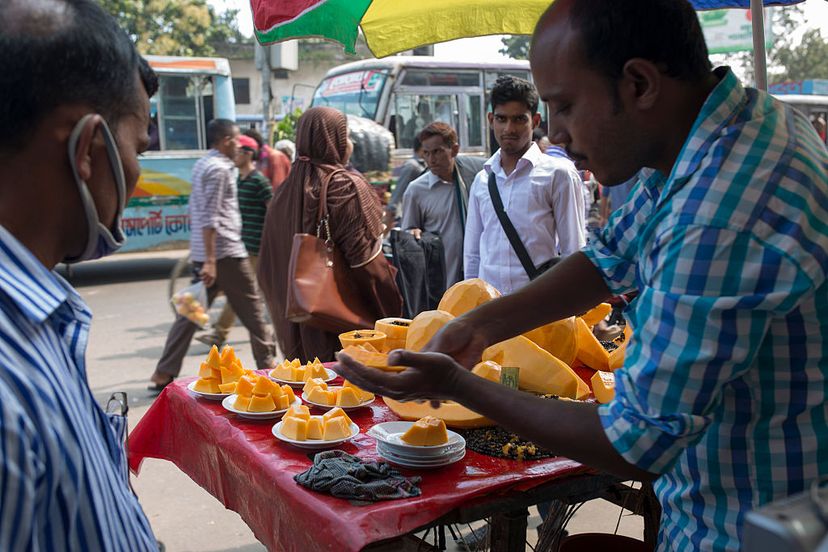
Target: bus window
(412, 112)
(355, 93)
(474, 121)
(178, 110)
(430, 77)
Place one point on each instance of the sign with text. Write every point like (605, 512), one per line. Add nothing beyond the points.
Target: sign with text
(728, 31)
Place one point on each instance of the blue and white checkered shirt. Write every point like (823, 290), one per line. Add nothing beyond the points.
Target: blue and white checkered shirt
(723, 392)
(63, 478)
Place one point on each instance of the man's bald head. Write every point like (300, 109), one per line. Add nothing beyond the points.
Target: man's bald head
(610, 33)
(61, 52)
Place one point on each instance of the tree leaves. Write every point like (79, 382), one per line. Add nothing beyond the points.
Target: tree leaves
(175, 27)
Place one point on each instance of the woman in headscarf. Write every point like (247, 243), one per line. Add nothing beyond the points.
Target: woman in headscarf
(355, 214)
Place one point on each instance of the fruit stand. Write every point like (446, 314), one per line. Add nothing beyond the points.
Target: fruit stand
(240, 463)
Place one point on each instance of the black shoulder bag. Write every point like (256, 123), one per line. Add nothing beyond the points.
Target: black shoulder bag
(517, 245)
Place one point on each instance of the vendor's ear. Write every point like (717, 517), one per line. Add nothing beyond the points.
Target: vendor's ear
(86, 146)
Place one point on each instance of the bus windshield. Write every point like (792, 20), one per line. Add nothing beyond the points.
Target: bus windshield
(357, 93)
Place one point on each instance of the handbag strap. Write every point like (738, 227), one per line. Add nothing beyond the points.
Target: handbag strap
(511, 233)
(322, 219)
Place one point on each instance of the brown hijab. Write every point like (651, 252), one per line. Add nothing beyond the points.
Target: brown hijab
(355, 216)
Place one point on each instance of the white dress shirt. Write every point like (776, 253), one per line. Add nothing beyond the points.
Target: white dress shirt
(543, 198)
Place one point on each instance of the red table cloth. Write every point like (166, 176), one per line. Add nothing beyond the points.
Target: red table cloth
(251, 472)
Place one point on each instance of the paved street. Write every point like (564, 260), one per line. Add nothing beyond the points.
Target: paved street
(128, 296)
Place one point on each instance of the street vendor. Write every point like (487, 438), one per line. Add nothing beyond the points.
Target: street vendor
(722, 398)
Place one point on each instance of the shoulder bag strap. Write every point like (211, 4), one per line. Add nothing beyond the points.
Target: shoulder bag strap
(322, 211)
(511, 233)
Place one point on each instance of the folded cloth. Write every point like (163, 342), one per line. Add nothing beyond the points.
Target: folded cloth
(344, 476)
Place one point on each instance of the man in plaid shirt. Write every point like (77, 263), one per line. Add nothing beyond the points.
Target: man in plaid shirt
(722, 397)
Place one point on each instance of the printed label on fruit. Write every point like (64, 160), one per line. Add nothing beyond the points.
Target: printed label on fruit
(510, 376)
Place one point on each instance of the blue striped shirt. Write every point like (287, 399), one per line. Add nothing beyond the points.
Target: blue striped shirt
(723, 392)
(63, 479)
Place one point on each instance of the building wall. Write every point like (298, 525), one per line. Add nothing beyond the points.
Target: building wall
(290, 89)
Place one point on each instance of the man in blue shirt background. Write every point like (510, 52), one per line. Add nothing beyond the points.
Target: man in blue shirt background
(74, 113)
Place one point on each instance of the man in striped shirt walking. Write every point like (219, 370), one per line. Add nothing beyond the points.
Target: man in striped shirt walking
(255, 192)
(218, 254)
(722, 400)
(74, 114)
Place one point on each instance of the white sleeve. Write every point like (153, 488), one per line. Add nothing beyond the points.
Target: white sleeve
(474, 230)
(566, 198)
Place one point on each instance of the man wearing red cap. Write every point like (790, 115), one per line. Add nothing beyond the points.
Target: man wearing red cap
(254, 193)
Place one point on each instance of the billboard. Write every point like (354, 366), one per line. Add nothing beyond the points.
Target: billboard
(728, 31)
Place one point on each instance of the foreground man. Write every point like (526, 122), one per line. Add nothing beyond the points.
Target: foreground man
(64, 180)
(722, 399)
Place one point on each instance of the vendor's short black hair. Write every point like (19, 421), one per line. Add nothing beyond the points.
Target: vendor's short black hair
(666, 32)
(218, 130)
(514, 89)
(69, 52)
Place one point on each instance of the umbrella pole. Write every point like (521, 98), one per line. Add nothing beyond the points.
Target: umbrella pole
(760, 64)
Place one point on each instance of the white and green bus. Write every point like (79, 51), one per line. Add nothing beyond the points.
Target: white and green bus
(405, 93)
(192, 91)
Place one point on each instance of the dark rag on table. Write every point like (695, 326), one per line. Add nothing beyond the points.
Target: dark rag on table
(344, 476)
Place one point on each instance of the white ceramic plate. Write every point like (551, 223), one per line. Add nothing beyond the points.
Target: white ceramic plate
(208, 396)
(421, 464)
(331, 375)
(390, 434)
(328, 407)
(228, 405)
(313, 444)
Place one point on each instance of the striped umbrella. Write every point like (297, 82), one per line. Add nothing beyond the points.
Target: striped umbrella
(392, 26)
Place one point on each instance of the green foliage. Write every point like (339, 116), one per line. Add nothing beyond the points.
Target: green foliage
(286, 128)
(787, 59)
(515, 46)
(808, 60)
(175, 27)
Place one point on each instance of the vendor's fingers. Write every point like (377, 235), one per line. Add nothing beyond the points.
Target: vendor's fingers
(402, 357)
(360, 375)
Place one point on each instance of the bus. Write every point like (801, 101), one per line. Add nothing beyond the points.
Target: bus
(809, 96)
(405, 93)
(191, 92)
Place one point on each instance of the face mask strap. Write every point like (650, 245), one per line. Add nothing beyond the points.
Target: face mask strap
(96, 231)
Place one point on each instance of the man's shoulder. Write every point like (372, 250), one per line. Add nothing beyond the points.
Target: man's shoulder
(556, 163)
(418, 185)
(471, 162)
(257, 178)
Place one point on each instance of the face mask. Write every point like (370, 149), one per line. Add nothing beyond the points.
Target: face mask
(101, 241)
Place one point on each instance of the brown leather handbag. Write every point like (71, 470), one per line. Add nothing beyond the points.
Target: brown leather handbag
(320, 292)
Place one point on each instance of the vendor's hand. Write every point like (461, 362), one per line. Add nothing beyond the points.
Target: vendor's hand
(461, 340)
(416, 232)
(427, 376)
(208, 273)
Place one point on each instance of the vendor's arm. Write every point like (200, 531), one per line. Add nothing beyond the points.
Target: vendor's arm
(571, 287)
(577, 432)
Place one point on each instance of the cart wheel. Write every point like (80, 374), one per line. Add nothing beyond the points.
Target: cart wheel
(180, 277)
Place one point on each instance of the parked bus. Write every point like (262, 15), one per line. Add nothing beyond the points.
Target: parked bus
(192, 91)
(809, 96)
(405, 93)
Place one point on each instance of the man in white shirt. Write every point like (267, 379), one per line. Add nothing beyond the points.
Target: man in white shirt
(540, 194)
